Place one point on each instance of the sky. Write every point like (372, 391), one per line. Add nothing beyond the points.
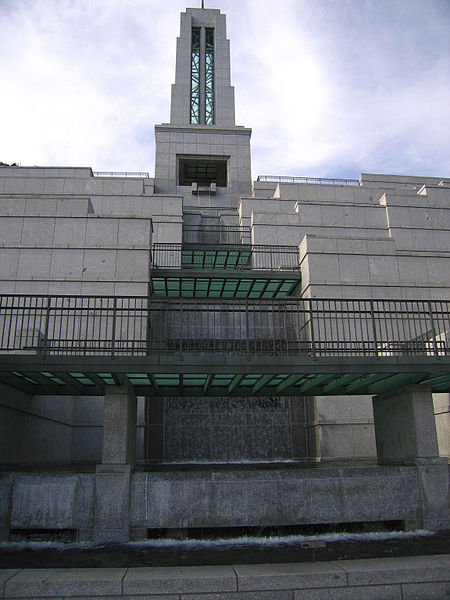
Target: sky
(330, 88)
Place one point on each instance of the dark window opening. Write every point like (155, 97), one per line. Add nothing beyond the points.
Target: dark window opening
(202, 171)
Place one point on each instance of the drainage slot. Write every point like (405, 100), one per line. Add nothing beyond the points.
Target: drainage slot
(43, 535)
(214, 533)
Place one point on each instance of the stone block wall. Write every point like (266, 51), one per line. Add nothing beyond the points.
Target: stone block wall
(220, 498)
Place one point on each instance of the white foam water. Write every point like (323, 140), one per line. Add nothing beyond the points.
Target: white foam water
(228, 542)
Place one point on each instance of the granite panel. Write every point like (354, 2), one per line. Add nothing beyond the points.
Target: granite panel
(406, 569)
(290, 575)
(272, 595)
(44, 501)
(170, 580)
(34, 583)
(426, 591)
(376, 592)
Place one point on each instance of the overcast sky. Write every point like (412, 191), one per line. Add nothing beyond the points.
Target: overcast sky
(331, 88)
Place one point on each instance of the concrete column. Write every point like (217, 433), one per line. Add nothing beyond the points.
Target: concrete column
(405, 428)
(113, 476)
(405, 433)
(119, 431)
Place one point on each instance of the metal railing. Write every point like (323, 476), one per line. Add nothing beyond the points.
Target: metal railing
(138, 174)
(137, 326)
(317, 180)
(225, 256)
(216, 234)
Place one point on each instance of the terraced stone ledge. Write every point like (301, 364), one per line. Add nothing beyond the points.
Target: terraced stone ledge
(404, 578)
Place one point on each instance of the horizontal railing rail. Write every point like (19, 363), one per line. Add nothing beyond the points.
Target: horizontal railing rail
(316, 180)
(138, 174)
(225, 256)
(216, 234)
(137, 326)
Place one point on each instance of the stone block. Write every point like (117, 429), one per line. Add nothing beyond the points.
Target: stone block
(426, 591)
(102, 232)
(6, 481)
(433, 486)
(405, 569)
(375, 592)
(327, 501)
(438, 270)
(34, 263)
(133, 265)
(53, 186)
(353, 268)
(289, 575)
(66, 264)
(177, 580)
(10, 206)
(323, 268)
(76, 207)
(134, 233)
(388, 498)
(11, 231)
(112, 504)
(6, 575)
(43, 206)
(43, 501)
(9, 263)
(260, 595)
(99, 264)
(229, 504)
(295, 501)
(70, 232)
(35, 583)
(83, 512)
(384, 269)
(14, 186)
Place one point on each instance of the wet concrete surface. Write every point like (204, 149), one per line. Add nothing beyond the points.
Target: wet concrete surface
(219, 552)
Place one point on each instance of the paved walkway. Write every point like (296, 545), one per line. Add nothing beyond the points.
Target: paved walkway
(400, 578)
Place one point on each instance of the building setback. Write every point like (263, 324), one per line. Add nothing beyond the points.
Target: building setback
(195, 317)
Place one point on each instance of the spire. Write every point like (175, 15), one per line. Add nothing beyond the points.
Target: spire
(202, 94)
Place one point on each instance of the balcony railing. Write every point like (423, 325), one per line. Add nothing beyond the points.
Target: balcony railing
(137, 326)
(138, 174)
(216, 234)
(225, 256)
(315, 180)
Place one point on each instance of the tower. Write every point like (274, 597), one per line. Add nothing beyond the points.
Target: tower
(201, 152)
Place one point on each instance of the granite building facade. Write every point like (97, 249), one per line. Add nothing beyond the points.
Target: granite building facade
(197, 317)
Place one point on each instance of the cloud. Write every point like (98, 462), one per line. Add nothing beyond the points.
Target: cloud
(330, 88)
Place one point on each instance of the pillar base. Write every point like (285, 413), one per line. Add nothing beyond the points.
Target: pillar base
(432, 479)
(112, 504)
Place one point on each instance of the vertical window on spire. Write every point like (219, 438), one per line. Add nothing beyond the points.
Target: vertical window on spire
(209, 77)
(195, 76)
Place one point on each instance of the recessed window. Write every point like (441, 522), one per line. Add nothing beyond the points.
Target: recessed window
(202, 171)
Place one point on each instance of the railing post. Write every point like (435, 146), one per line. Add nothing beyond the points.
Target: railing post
(47, 324)
(433, 330)
(247, 331)
(113, 334)
(180, 345)
(374, 327)
(311, 328)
